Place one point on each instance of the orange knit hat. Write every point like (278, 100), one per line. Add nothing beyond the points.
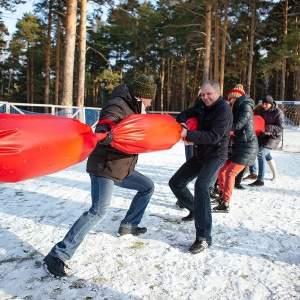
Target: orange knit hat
(237, 92)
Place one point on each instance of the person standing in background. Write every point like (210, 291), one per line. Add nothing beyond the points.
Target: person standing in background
(244, 146)
(270, 138)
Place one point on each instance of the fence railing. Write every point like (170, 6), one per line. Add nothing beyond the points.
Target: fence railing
(87, 115)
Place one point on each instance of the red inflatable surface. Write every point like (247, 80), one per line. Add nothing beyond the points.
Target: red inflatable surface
(146, 133)
(37, 145)
(259, 124)
(192, 124)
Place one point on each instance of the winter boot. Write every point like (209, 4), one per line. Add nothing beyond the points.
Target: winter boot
(251, 176)
(223, 207)
(273, 168)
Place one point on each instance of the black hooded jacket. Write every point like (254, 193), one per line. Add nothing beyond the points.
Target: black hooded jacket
(212, 136)
(244, 140)
(106, 161)
(274, 120)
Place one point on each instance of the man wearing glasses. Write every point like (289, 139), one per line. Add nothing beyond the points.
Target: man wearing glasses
(210, 141)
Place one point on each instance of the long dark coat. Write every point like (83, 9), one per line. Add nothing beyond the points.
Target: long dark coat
(244, 141)
(106, 161)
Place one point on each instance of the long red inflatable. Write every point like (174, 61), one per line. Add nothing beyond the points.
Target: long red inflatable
(146, 133)
(37, 145)
(259, 124)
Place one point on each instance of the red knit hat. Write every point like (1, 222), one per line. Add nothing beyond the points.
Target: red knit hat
(237, 92)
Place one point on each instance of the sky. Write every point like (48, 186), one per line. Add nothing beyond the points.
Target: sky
(255, 253)
(10, 19)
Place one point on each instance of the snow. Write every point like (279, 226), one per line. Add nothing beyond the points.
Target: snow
(255, 252)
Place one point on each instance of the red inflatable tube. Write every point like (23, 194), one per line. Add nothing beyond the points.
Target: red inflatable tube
(146, 133)
(259, 124)
(37, 145)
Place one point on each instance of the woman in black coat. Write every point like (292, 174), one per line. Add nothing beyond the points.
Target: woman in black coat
(244, 145)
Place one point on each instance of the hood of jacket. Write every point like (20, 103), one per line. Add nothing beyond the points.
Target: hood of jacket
(244, 99)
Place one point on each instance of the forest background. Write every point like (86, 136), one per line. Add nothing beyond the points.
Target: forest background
(61, 54)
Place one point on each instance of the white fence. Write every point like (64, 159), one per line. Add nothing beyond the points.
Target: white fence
(88, 115)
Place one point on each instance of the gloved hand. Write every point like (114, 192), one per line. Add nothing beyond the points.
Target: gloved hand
(262, 134)
(108, 139)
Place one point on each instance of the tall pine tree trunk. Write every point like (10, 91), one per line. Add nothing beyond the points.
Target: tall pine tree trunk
(82, 52)
(57, 61)
(216, 53)
(162, 80)
(251, 47)
(48, 56)
(283, 61)
(207, 43)
(183, 82)
(223, 51)
(169, 82)
(70, 38)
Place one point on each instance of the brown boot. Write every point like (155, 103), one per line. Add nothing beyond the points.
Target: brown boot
(257, 183)
(251, 177)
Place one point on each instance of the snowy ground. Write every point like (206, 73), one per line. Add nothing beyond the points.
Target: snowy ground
(255, 252)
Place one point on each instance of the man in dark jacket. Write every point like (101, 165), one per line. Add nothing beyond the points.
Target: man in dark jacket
(211, 141)
(270, 138)
(108, 167)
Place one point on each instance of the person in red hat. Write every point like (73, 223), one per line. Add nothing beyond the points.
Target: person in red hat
(244, 146)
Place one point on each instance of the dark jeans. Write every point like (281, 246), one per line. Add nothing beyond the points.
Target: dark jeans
(239, 177)
(205, 171)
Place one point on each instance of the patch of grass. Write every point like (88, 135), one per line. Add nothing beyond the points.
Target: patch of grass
(78, 284)
(137, 245)
(98, 280)
(18, 259)
(171, 221)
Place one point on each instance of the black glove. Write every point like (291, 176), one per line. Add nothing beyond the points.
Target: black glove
(108, 139)
(262, 134)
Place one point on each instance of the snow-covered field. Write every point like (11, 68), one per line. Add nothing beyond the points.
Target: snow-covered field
(255, 252)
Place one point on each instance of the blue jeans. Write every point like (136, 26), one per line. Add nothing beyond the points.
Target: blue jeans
(101, 192)
(205, 171)
(264, 154)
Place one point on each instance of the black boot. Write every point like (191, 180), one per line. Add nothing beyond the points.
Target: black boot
(199, 246)
(189, 217)
(223, 207)
(238, 180)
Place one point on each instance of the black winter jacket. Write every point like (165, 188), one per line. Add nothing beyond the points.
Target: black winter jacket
(274, 120)
(244, 142)
(106, 161)
(211, 139)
